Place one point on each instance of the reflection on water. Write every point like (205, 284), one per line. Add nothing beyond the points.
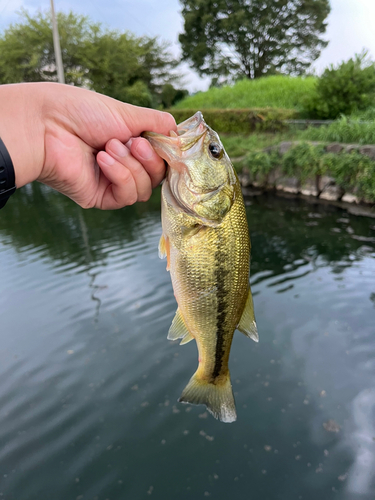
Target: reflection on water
(89, 382)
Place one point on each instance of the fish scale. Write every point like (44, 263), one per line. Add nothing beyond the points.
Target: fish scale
(207, 244)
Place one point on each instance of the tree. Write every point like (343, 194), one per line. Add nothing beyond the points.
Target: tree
(114, 63)
(252, 38)
(170, 96)
(343, 89)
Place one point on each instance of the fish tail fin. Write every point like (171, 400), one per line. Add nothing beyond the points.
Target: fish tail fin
(217, 396)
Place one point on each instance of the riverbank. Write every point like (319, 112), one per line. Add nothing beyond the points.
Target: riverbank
(332, 172)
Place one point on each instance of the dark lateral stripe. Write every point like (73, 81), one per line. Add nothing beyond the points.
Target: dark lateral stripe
(220, 274)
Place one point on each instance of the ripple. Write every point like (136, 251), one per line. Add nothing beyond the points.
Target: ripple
(89, 381)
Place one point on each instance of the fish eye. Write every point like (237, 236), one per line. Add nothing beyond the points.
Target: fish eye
(216, 151)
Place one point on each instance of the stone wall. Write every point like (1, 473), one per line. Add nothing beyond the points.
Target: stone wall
(320, 186)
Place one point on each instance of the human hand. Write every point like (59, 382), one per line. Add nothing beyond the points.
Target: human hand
(73, 140)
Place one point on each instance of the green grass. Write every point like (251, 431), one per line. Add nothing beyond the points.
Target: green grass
(366, 115)
(239, 145)
(345, 130)
(271, 91)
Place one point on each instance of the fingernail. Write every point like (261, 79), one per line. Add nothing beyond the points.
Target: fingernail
(106, 158)
(118, 149)
(144, 150)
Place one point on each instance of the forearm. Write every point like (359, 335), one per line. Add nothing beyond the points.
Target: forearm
(22, 130)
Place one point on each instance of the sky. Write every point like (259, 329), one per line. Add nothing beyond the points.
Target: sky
(350, 25)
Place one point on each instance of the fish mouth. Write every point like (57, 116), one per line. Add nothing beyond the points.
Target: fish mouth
(173, 147)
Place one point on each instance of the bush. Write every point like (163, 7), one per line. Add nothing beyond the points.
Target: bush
(342, 90)
(239, 121)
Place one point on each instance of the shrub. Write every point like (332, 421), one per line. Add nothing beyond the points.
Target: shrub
(343, 89)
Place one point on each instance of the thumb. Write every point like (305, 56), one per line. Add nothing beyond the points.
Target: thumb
(140, 120)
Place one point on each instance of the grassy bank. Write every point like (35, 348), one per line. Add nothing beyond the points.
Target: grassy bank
(240, 121)
(352, 130)
(240, 145)
(272, 91)
(345, 129)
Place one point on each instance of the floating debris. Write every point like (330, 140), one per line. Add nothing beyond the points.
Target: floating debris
(343, 477)
(331, 426)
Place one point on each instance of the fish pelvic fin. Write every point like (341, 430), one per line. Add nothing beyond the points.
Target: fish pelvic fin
(217, 396)
(247, 324)
(178, 329)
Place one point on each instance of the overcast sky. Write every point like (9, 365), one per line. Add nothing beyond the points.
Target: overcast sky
(350, 24)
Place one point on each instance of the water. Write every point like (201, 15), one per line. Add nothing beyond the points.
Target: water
(89, 383)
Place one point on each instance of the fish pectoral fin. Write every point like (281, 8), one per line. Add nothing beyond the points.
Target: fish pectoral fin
(164, 249)
(178, 329)
(247, 324)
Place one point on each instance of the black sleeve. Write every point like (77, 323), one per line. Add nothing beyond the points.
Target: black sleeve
(7, 177)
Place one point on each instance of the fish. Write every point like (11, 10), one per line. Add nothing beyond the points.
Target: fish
(205, 239)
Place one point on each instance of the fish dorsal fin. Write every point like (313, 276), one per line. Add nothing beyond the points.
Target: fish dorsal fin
(247, 323)
(178, 329)
(164, 249)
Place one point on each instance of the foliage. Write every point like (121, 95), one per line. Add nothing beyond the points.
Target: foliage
(352, 171)
(367, 114)
(343, 130)
(111, 62)
(271, 91)
(243, 38)
(170, 96)
(344, 89)
(305, 158)
(240, 121)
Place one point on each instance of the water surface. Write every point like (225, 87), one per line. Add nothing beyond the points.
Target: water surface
(89, 383)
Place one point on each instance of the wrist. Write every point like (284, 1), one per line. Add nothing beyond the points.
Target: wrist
(21, 130)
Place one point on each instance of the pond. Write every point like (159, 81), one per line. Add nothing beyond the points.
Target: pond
(89, 382)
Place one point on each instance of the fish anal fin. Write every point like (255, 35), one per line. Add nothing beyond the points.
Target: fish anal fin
(187, 339)
(218, 397)
(178, 329)
(164, 250)
(247, 324)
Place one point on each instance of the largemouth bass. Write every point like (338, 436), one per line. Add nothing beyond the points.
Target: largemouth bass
(206, 242)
